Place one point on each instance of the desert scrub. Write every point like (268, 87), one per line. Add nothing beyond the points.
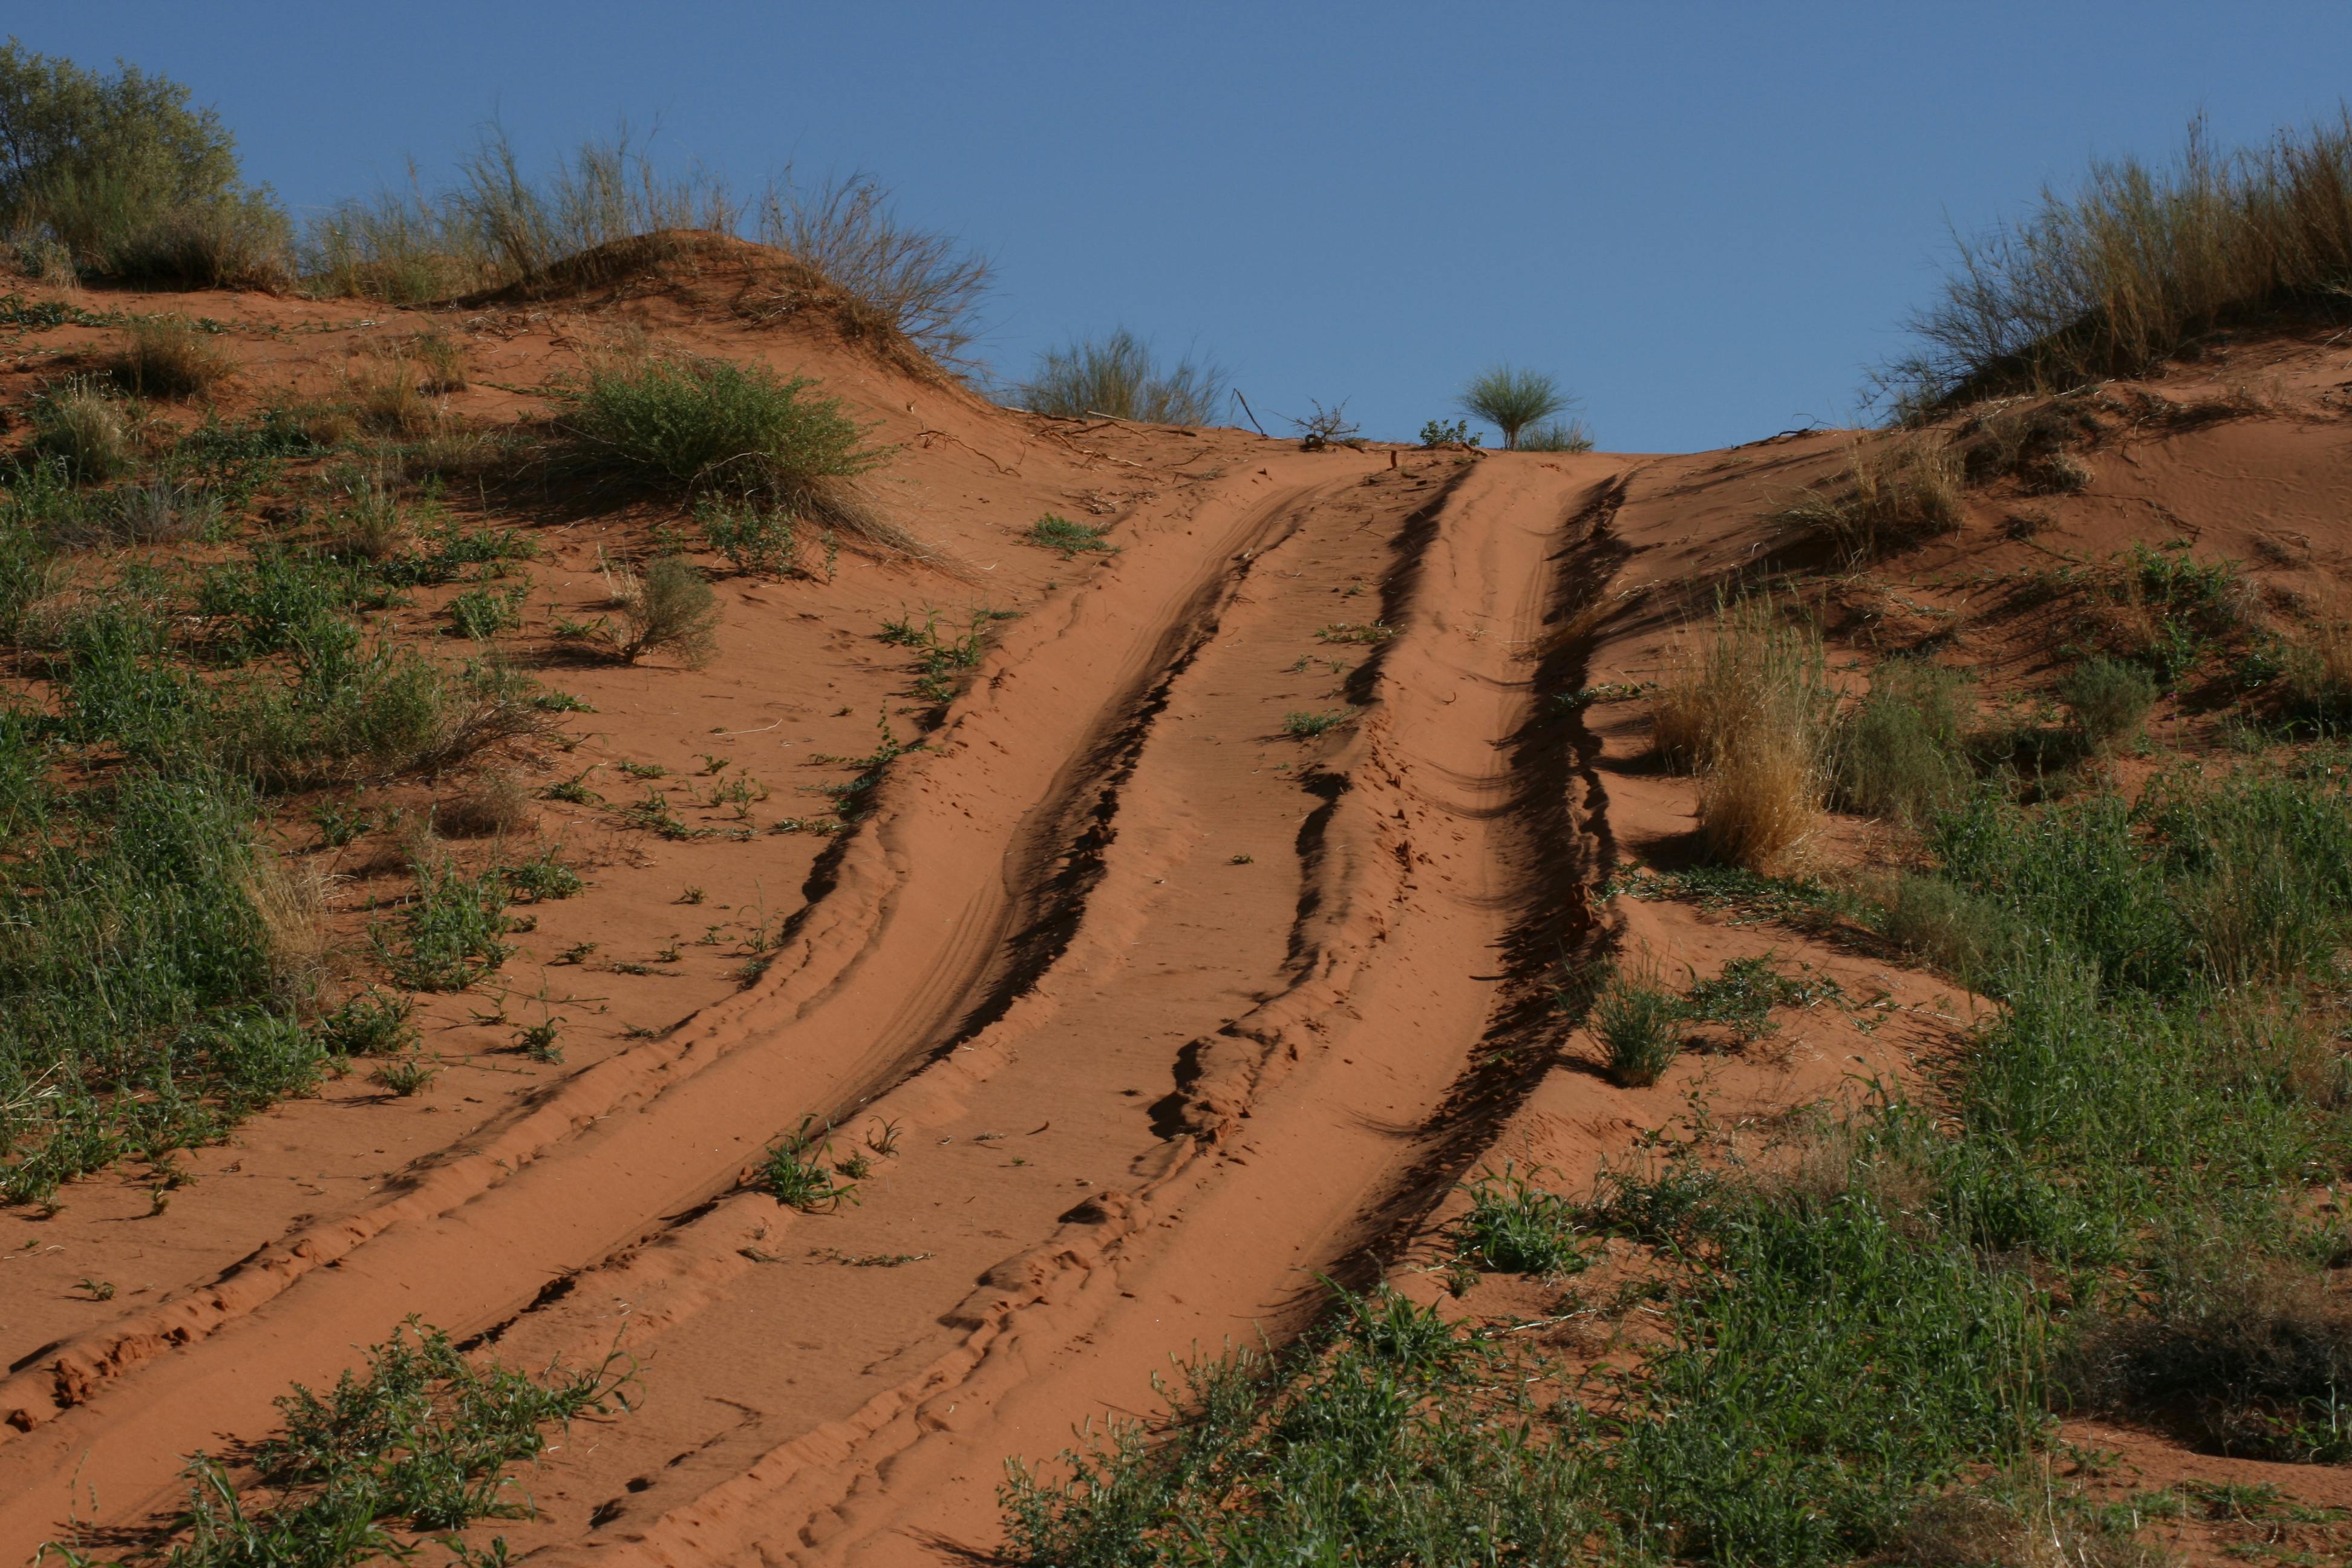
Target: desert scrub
(2112, 276)
(1897, 492)
(85, 433)
(1902, 751)
(1639, 1022)
(1120, 376)
(2110, 700)
(169, 356)
(796, 1171)
(714, 426)
(670, 608)
(1305, 726)
(1517, 1227)
(420, 1443)
(756, 538)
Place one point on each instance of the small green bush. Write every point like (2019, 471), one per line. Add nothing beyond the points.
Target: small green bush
(794, 1170)
(85, 433)
(754, 538)
(1556, 435)
(124, 174)
(372, 1024)
(1306, 725)
(1901, 751)
(714, 425)
(483, 612)
(2110, 699)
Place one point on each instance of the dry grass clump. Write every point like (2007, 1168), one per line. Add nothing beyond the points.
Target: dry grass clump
(440, 363)
(1751, 716)
(1120, 376)
(1977, 1530)
(291, 902)
(923, 283)
(1895, 493)
(394, 396)
(2319, 668)
(494, 807)
(668, 608)
(166, 356)
(78, 427)
(2029, 444)
(2113, 276)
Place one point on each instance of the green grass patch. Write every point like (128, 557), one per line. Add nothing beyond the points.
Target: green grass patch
(420, 1444)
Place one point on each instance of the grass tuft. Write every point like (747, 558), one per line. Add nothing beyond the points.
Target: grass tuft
(166, 356)
(1118, 375)
(1512, 400)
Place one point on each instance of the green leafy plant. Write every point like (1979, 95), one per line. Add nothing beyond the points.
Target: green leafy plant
(1517, 1228)
(1449, 433)
(754, 539)
(797, 1170)
(1304, 725)
(450, 934)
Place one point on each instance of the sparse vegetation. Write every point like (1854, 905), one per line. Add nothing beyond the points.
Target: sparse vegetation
(756, 538)
(2115, 276)
(1055, 532)
(926, 285)
(798, 1171)
(1513, 400)
(1518, 1227)
(83, 431)
(1305, 726)
(1556, 435)
(1120, 377)
(1897, 492)
(450, 933)
(2110, 700)
(418, 1446)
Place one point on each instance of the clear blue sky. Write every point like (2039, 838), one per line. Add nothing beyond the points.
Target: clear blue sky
(1708, 219)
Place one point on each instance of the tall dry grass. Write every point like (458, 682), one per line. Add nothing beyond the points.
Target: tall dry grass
(2116, 275)
(1751, 713)
(498, 223)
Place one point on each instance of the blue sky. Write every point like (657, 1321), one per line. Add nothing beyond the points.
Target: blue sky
(1706, 220)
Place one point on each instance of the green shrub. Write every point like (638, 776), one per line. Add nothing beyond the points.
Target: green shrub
(707, 424)
(167, 356)
(1511, 400)
(754, 538)
(1900, 752)
(1306, 725)
(2110, 699)
(1120, 376)
(372, 1024)
(1965, 936)
(794, 1170)
(483, 612)
(417, 1446)
(127, 177)
(138, 986)
(543, 878)
(1640, 1025)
